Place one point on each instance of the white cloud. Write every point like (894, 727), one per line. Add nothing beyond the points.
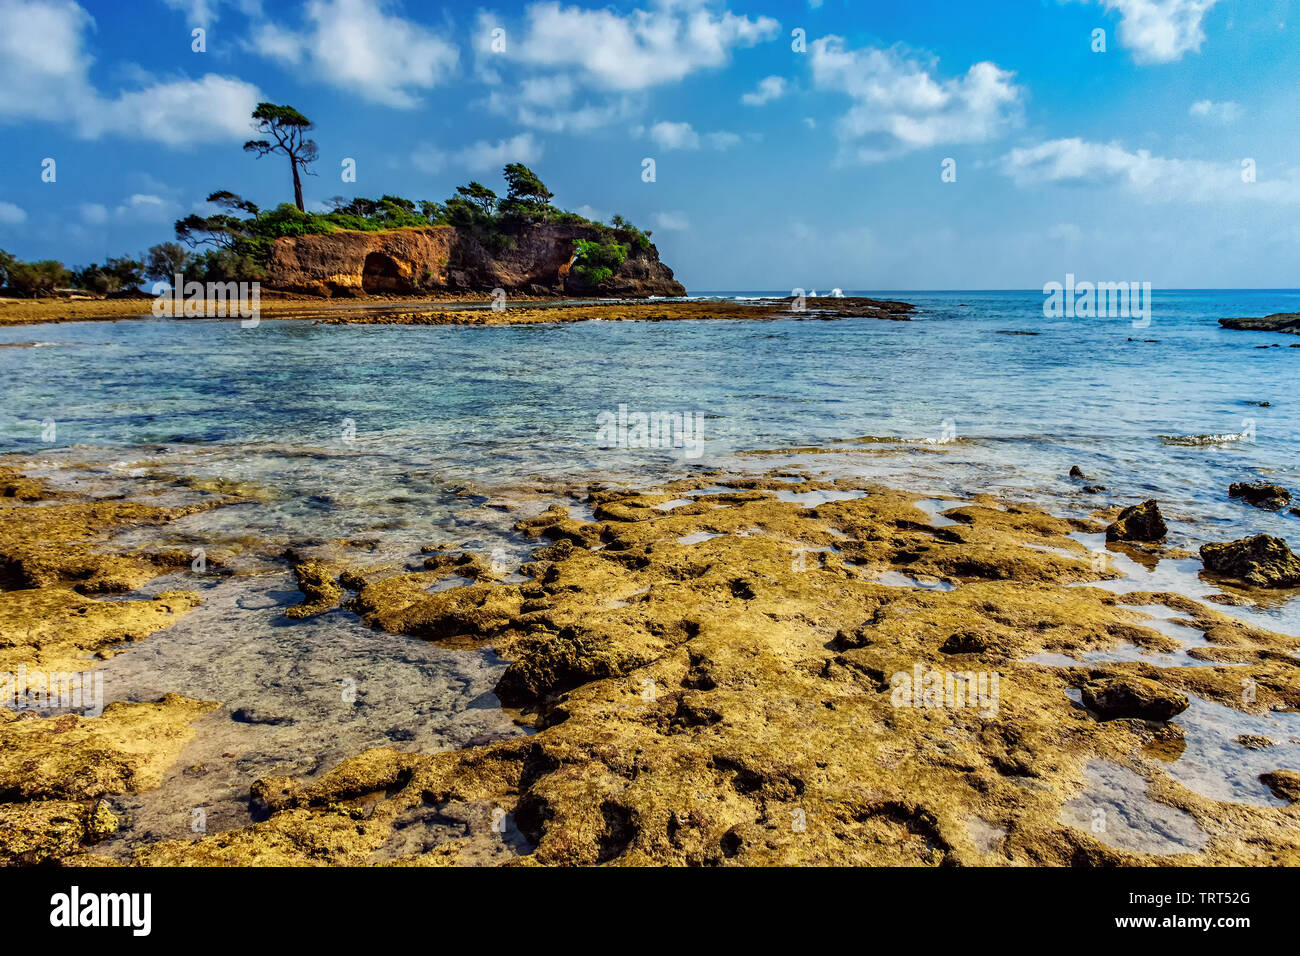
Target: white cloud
(138, 207)
(722, 139)
(481, 156)
(357, 45)
(569, 69)
(1152, 178)
(557, 116)
(211, 109)
(203, 13)
(672, 221)
(899, 105)
(643, 48)
(200, 13)
(1067, 231)
(683, 136)
(145, 206)
(769, 88)
(1161, 31)
(11, 215)
(1225, 112)
(44, 75)
(93, 213)
(675, 136)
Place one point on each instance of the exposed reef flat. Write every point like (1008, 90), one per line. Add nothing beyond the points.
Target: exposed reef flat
(469, 309)
(1278, 322)
(652, 311)
(718, 671)
(273, 306)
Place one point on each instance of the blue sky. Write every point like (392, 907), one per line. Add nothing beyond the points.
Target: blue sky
(775, 167)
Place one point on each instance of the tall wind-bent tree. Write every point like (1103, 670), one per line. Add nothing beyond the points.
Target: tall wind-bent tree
(289, 128)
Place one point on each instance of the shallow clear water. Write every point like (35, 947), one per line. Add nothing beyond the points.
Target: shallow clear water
(492, 403)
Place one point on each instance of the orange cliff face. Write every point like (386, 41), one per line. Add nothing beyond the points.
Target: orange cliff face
(535, 260)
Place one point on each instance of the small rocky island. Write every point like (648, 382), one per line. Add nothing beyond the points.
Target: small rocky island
(535, 259)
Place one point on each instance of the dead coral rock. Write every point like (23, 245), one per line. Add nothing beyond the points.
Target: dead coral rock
(533, 527)
(1138, 523)
(124, 750)
(1264, 495)
(45, 830)
(1261, 560)
(404, 605)
(464, 565)
(321, 592)
(1129, 696)
(54, 770)
(60, 543)
(1285, 784)
(560, 663)
(965, 642)
(851, 637)
(56, 628)
(21, 488)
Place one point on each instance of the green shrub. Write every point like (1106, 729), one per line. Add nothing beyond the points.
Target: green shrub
(597, 261)
(32, 279)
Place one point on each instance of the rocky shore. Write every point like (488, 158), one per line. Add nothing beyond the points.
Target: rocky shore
(761, 669)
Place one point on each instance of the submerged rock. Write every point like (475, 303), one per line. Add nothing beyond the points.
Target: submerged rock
(1129, 696)
(321, 592)
(1261, 560)
(1262, 494)
(1138, 523)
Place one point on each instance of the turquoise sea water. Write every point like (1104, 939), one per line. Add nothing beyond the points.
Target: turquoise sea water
(448, 405)
(409, 436)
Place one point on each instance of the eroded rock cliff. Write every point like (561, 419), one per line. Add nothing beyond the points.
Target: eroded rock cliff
(534, 260)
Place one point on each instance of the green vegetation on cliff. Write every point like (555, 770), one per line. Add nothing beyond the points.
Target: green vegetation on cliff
(233, 243)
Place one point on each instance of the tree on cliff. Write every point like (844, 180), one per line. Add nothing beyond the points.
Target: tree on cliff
(477, 193)
(289, 128)
(526, 196)
(223, 229)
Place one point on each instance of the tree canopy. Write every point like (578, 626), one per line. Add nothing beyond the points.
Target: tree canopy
(289, 129)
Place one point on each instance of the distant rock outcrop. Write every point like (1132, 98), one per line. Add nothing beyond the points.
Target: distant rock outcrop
(533, 260)
(1277, 322)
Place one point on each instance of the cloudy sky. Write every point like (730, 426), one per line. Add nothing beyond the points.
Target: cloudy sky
(796, 143)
